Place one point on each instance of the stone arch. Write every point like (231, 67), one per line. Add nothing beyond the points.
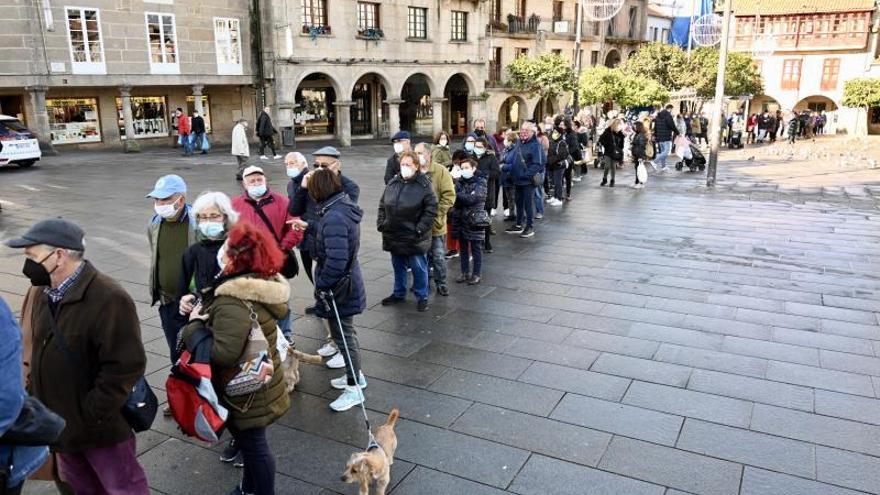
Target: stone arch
(369, 111)
(817, 103)
(432, 86)
(514, 110)
(612, 59)
(545, 107)
(315, 93)
(456, 107)
(417, 111)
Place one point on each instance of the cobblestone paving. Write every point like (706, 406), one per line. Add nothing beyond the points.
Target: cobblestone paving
(664, 341)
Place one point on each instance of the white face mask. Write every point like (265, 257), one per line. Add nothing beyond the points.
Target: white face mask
(293, 172)
(398, 148)
(422, 160)
(407, 172)
(443, 142)
(166, 211)
(456, 172)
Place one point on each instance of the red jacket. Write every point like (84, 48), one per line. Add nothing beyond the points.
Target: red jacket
(274, 205)
(183, 127)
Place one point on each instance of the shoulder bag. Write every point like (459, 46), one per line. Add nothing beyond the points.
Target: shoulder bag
(291, 266)
(140, 407)
(537, 179)
(255, 368)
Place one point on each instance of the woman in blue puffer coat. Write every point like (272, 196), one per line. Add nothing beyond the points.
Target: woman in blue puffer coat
(22, 461)
(337, 239)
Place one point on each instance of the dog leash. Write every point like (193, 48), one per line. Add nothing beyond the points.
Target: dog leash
(371, 441)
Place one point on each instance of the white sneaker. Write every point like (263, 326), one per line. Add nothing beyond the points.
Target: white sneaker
(342, 382)
(576, 179)
(556, 202)
(263, 157)
(507, 212)
(327, 350)
(350, 397)
(493, 212)
(335, 362)
(653, 165)
(277, 157)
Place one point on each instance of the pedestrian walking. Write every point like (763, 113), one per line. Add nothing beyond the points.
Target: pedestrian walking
(338, 277)
(471, 192)
(525, 164)
(574, 152)
(172, 230)
(240, 147)
(249, 294)
(407, 210)
(21, 460)
(267, 211)
(199, 133)
(266, 132)
(612, 142)
(444, 191)
(401, 143)
(89, 357)
(639, 148)
(664, 132)
(184, 131)
(696, 127)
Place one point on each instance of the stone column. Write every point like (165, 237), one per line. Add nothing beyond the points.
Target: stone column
(477, 109)
(197, 94)
(41, 119)
(130, 145)
(393, 115)
(437, 114)
(343, 122)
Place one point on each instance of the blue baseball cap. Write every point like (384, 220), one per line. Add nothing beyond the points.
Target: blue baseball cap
(167, 186)
(400, 136)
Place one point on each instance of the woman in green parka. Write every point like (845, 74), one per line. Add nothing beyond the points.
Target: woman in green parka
(249, 261)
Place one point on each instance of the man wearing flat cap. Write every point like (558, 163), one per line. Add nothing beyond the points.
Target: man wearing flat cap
(86, 357)
(401, 143)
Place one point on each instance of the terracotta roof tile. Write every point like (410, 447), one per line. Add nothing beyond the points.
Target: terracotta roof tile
(777, 7)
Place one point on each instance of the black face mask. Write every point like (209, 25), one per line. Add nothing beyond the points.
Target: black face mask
(480, 132)
(37, 273)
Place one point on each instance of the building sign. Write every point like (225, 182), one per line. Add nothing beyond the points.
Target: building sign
(150, 115)
(73, 120)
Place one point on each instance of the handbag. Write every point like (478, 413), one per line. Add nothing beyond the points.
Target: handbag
(255, 368)
(141, 405)
(290, 268)
(36, 425)
(537, 179)
(478, 218)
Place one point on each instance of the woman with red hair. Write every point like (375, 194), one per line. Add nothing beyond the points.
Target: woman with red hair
(249, 288)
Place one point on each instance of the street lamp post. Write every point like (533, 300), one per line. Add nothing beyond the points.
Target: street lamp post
(719, 98)
(577, 55)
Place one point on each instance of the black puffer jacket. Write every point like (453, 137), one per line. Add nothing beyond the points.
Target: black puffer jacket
(574, 146)
(392, 167)
(406, 215)
(470, 196)
(612, 144)
(664, 127)
(488, 168)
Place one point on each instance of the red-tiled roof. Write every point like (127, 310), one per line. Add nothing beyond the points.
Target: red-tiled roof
(780, 7)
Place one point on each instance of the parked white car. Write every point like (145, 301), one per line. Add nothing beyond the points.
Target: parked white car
(18, 145)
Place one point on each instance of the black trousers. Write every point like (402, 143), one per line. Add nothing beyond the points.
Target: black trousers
(267, 141)
(567, 176)
(258, 475)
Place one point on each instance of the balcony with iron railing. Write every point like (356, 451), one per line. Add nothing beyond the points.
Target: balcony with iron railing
(495, 80)
(516, 26)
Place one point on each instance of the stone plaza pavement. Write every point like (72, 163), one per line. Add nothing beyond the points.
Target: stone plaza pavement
(664, 341)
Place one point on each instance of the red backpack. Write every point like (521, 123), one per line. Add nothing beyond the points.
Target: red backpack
(191, 396)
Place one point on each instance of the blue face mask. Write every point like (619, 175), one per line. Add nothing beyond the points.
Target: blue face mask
(469, 146)
(467, 174)
(293, 172)
(479, 151)
(212, 230)
(256, 191)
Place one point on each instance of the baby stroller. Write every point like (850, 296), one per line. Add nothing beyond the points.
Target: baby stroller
(735, 141)
(697, 161)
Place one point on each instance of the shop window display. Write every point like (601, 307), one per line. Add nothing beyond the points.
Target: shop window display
(73, 120)
(314, 113)
(150, 115)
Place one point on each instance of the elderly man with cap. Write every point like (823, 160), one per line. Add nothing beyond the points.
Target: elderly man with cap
(401, 142)
(87, 356)
(302, 205)
(171, 231)
(267, 210)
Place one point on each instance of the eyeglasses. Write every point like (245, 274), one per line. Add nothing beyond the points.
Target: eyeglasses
(216, 217)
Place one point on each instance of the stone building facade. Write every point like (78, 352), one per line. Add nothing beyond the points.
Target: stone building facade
(92, 73)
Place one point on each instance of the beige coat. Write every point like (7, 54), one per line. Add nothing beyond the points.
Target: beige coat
(240, 144)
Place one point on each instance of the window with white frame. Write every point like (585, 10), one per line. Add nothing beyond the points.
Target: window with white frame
(459, 25)
(162, 43)
(86, 46)
(227, 39)
(417, 23)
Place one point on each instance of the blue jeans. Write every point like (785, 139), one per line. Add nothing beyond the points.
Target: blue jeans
(258, 476)
(469, 248)
(285, 323)
(558, 187)
(525, 196)
(419, 265)
(665, 149)
(188, 142)
(437, 259)
(539, 200)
